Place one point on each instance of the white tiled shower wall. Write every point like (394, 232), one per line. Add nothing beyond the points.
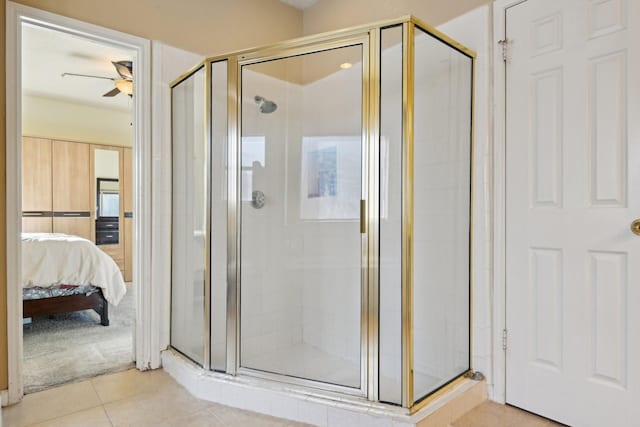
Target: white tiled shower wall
(332, 297)
(270, 306)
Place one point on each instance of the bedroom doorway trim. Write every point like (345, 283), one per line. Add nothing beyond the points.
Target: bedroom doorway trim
(16, 16)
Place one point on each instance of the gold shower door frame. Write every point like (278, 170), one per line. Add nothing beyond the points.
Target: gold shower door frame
(368, 36)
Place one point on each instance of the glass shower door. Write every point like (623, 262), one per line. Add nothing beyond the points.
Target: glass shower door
(301, 245)
(189, 217)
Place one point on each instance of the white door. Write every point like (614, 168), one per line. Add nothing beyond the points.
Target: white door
(572, 191)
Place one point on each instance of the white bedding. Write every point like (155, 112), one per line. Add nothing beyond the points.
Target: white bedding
(60, 259)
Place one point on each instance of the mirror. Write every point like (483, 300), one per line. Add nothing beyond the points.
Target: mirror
(108, 198)
(107, 191)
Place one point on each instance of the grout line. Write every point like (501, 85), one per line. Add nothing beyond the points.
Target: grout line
(107, 415)
(62, 416)
(104, 410)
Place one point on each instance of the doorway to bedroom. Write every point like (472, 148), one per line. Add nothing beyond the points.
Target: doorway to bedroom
(77, 207)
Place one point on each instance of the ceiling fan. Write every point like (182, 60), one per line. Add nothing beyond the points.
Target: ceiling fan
(124, 84)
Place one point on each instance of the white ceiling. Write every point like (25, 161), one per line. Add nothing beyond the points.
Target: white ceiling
(46, 54)
(300, 4)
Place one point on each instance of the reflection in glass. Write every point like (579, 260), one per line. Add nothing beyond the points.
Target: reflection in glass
(301, 250)
(442, 156)
(189, 217)
(108, 197)
(252, 158)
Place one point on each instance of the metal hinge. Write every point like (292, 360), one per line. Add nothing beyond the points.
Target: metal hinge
(504, 339)
(504, 44)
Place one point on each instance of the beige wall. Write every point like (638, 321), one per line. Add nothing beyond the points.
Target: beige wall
(70, 121)
(203, 26)
(327, 15)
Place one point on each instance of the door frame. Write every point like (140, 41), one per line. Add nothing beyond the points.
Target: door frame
(16, 15)
(499, 311)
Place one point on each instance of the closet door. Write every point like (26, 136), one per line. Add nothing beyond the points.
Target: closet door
(37, 203)
(71, 188)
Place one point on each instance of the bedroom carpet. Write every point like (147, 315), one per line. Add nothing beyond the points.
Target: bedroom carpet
(75, 346)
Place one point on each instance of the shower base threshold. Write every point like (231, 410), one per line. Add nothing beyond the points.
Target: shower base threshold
(311, 406)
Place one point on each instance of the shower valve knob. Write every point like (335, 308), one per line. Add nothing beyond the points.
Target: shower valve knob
(257, 199)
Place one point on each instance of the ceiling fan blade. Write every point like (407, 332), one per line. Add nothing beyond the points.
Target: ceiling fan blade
(112, 92)
(87, 75)
(124, 68)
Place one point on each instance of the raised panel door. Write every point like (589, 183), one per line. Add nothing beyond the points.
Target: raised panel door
(572, 190)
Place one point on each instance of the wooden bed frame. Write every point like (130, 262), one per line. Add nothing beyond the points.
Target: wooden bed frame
(67, 304)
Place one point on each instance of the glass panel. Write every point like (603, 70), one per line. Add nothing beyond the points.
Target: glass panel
(219, 215)
(300, 232)
(442, 156)
(391, 215)
(189, 210)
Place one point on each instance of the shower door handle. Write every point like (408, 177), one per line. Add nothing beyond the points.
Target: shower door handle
(363, 216)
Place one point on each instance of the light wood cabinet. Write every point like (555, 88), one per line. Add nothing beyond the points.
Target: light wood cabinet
(71, 189)
(37, 202)
(59, 193)
(37, 224)
(71, 177)
(36, 175)
(56, 187)
(76, 226)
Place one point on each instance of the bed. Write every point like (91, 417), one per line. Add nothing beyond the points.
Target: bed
(63, 273)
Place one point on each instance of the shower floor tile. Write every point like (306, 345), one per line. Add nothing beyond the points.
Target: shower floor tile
(309, 362)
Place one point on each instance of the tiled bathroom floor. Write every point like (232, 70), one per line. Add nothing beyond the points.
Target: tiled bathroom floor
(129, 398)
(306, 361)
(491, 414)
(140, 399)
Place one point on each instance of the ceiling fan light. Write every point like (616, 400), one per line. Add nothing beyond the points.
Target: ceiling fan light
(125, 86)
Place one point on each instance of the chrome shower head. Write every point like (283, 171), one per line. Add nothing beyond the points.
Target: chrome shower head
(265, 105)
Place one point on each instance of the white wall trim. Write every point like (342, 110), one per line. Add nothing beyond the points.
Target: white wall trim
(499, 202)
(161, 226)
(13, 196)
(16, 15)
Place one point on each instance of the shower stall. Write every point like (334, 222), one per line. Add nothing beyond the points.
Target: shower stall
(321, 213)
